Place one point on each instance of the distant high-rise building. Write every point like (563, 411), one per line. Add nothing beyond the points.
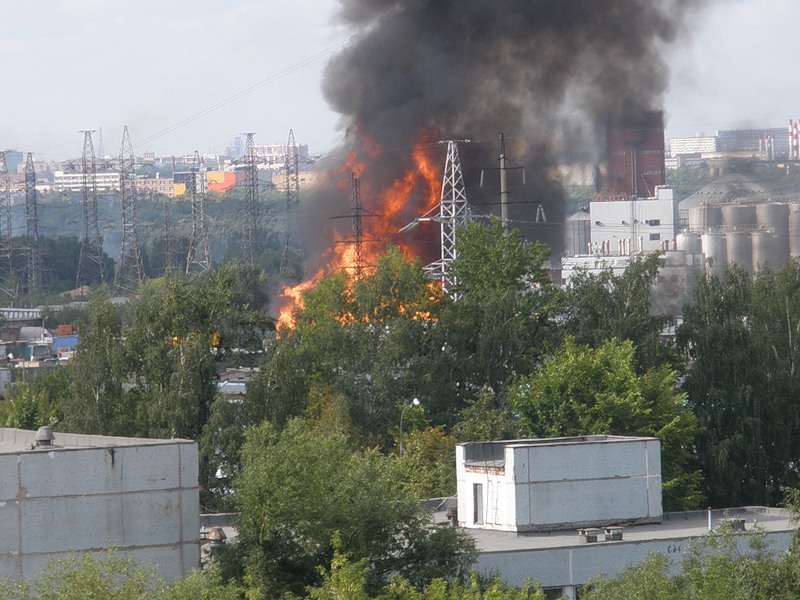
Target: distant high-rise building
(14, 159)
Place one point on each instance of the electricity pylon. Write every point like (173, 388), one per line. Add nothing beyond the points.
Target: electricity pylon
(130, 268)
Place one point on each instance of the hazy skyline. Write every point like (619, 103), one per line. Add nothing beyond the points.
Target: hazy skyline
(257, 66)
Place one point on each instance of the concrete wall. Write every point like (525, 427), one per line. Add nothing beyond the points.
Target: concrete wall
(88, 493)
(571, 567)
(561, 483)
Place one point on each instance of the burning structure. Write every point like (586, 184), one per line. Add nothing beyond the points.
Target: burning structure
(549, 74)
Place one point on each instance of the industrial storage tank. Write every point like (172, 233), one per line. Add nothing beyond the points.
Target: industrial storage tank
(714, 247)
(740, 249)
(739, 216)
(703, 218)
(577, 233)
(688, 242)
(768, 250)
(794, 231)
(773, 215)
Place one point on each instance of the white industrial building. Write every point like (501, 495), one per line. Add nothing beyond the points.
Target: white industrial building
(564, 510)
(89, 493)
(102, 181)
(699, 144)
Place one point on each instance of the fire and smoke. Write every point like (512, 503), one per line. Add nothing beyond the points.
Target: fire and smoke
(547, 73)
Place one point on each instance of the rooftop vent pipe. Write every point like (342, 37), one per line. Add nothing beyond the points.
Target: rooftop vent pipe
(44, 437)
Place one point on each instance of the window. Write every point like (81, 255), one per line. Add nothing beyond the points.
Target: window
(653, 222)
(655, 236)
(477, 503)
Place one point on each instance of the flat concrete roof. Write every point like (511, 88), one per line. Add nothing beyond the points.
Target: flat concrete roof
(13, 441)
(682, 525)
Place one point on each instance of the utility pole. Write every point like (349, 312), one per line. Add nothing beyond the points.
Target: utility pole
(33, 275)
(198, 257)
(503, 168)
(130, 268)
(91, 260)
(356, 214)
(251, 217)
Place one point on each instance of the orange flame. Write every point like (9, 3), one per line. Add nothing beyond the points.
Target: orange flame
(415, 192)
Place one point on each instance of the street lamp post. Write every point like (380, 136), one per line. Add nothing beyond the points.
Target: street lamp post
(414, 402)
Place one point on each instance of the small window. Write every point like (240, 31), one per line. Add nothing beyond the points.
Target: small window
(477, 503)
(653, 222)
(655, 236)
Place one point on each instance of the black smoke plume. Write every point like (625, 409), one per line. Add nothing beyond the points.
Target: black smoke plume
(547, 73)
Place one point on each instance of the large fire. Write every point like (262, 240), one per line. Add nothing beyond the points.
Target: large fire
(412, 193)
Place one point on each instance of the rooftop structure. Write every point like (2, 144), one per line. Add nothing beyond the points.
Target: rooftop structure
(67, 492)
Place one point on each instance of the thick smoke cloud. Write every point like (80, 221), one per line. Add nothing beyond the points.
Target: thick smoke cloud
(547, 73)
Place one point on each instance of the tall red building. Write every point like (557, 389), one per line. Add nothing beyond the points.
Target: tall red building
(635, 154)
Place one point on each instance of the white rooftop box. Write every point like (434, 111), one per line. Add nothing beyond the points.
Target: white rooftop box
(559, 483)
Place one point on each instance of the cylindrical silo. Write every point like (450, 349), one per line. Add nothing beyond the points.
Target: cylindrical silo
(794, 231)
(703, 218)
(775, 217)
(689, 243)
(714, 248)
(767, 250)
(739, 216)
(740, 249)
(577, 233)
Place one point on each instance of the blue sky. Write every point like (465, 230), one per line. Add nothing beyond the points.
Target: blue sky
(152, 64)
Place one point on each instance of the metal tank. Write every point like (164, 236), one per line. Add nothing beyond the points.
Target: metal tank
(767, 250)
(714, 248)
(774, 216)
(794, 230)
(688, 242)
(703, 218)
(739, 216)
(740, 249)
(577, 233)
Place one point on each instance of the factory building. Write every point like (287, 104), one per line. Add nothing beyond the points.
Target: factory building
(635, 155)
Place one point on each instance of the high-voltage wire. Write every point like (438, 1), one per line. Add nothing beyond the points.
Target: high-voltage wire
(198, 256)
(33, 271)
(292, 173)
(251, 237)
(91, 266)
(130, 268)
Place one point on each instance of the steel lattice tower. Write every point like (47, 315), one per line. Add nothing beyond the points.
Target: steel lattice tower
(130, 268)
(251, 217)
(90, 262)
(198, 257)
(292, 173)
(33, 274)
(6, 244)
(356, 214)
(454, 212)
(169, 238)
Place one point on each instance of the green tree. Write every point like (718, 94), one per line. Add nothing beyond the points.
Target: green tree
(96, 401)
(740, 337)
(499, 325)
(584, 391)
(604, 306)
(300, 488)
(36, 403)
